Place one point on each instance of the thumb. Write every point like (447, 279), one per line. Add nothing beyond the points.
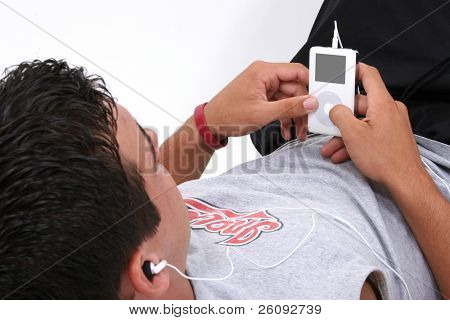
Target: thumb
(343, 118)
(291, 107)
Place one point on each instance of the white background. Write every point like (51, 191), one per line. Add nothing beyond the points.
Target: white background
(175, 53)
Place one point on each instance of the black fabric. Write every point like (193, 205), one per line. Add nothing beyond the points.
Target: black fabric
(408, 41)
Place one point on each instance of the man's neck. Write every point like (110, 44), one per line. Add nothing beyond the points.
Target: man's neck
(180, 288)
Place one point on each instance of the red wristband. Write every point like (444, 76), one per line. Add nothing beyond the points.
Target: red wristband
(208, 137)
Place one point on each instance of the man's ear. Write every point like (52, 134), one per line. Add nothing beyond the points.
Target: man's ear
(145, 288)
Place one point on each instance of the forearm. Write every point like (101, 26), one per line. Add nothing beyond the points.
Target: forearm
(184, 154)
(428, 214)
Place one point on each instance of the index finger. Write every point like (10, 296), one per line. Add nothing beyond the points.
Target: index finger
(290, 72)
(372, 81)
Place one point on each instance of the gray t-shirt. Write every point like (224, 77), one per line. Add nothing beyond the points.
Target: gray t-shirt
(261, 210)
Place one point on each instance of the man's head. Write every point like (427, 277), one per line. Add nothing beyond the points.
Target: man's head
(81, 203)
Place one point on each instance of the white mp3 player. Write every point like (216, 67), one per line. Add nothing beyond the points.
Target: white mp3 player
(332, 74)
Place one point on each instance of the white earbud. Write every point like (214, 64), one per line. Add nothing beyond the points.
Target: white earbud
(159, 267)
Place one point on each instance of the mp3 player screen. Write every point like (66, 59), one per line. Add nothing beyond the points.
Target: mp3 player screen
(330, 68)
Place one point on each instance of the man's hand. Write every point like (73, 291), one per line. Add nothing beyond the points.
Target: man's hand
(381, 145)
(264, 92)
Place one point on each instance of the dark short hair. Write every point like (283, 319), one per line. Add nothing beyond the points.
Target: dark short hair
(71, 212)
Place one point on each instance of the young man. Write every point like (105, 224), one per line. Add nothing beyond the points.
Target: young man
(85, 199)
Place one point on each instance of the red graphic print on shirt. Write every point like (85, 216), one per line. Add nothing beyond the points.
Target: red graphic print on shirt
(241, 228)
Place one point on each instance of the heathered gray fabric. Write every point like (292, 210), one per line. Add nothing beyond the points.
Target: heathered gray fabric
(334, 262)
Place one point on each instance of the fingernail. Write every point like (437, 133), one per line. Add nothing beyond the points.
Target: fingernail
(310, 104)
(287, 135)
(284, 134)
(298, 133)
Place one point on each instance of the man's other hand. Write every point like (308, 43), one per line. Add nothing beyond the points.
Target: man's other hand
(382, 144)
(264, 92)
